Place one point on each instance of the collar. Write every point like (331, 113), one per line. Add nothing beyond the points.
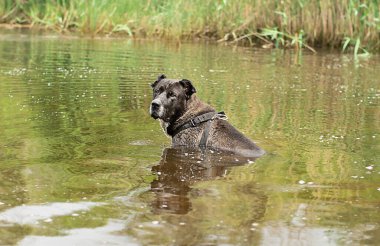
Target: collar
(196, 121)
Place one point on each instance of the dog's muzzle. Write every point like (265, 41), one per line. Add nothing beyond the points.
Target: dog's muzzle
(155, 109)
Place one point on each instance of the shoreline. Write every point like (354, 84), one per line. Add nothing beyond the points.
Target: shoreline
(74, 33)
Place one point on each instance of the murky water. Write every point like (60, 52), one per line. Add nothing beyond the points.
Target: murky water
(81, 161)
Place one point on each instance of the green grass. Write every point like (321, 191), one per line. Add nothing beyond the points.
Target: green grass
(348, 24)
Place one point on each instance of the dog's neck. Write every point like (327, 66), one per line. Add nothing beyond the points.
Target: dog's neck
(193, 108)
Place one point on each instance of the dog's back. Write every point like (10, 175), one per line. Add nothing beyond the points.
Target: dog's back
(222, 136)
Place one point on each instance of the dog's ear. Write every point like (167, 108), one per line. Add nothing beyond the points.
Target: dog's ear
(162, 76)
(190, 89)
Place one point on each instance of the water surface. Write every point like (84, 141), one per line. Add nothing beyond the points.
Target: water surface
(82, 162)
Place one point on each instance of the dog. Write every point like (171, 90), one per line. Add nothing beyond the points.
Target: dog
(193, 123)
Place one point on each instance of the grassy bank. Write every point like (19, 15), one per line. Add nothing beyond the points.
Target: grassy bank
(281, 23)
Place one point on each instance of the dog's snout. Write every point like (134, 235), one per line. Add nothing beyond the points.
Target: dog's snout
(155, 109)
(155, 106)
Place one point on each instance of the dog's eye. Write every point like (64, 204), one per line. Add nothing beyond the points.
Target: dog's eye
(171, 94)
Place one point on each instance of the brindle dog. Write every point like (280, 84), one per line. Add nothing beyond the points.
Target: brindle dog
(193, 123)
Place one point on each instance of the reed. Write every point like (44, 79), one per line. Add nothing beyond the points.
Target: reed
(348, 24)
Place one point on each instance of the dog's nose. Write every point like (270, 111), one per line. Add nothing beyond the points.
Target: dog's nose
(155, 106)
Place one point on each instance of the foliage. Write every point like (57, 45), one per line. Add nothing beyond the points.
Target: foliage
(357, 47)
(282, 23)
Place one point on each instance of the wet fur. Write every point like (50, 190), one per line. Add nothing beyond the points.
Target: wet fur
(222, 135)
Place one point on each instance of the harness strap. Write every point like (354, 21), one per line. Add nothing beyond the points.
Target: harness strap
(203, 142)
(192, 123)
(196, 121)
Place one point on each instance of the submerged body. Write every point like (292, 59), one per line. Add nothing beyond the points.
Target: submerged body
(176, 104)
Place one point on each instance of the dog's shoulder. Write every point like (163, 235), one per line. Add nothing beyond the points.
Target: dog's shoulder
(226, 136)
(224, 127)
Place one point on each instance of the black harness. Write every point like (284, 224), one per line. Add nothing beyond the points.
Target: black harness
(196, 121)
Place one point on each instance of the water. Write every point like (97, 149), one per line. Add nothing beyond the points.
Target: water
(82, 162)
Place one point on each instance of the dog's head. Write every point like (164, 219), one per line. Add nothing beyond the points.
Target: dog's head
(170, 97)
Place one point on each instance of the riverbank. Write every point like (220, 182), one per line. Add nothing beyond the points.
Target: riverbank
(348, 25)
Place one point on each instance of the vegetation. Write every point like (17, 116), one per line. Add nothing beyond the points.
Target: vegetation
(348, 24)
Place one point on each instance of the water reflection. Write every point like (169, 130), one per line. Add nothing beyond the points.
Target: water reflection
(195, 201)
(32, 214)
(180, 168)
(74, 128)
(104, 235)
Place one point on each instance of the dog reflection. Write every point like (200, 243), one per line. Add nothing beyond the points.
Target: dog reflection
(179, 168)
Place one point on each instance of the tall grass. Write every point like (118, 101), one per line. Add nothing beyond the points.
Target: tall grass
(337, 23)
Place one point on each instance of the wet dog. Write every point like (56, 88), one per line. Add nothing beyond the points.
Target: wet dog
(193, 123)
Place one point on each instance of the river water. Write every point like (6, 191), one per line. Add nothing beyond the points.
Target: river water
(83, 163)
